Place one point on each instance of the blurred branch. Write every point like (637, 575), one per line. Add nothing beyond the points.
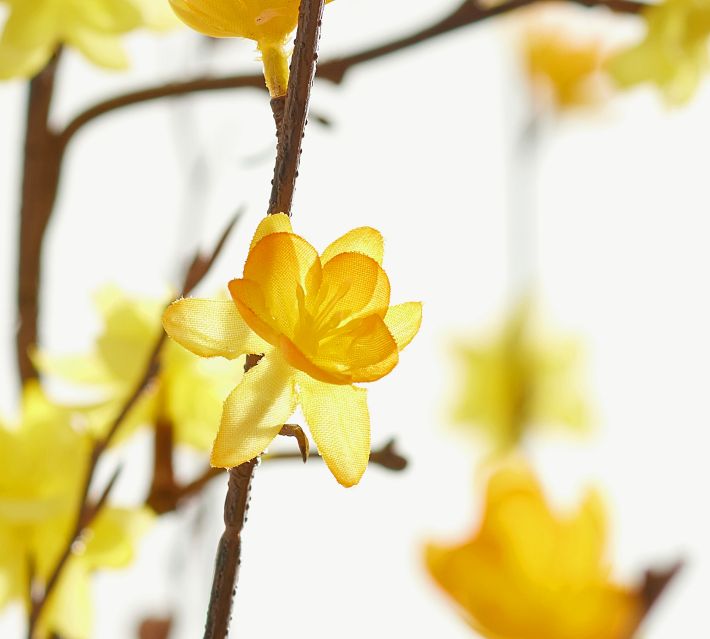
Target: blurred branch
(199, 267)
(40, 180)
(467, 13)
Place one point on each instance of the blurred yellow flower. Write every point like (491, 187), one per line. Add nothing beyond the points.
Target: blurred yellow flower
(519, 380)
(564, 71)
(323, 323)
(531, 573)
(267, 22)
(187, 394)
(36, 28)
(674, 53)
(44, 461)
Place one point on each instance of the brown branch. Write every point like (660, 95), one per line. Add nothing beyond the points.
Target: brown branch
(466, 14)
(40, 180)
(303, 67)
(289, 137)
(228, 558)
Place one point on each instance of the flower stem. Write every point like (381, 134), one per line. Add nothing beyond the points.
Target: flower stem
(228, 558)
(275, 61)
(289, 137)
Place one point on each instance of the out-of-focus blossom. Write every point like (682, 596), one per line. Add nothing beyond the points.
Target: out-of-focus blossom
(529, 572)
(36, 28)
(519, 380)
(187, 394)
(674, 53)
(323, 323)
(564, 69)
(267, 22)
(44, 460)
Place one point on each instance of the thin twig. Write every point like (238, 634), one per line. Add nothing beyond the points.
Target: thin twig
(385, 456)
(466, 14)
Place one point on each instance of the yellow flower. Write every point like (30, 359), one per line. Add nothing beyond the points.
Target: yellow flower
(187, 394)
(517, 381)
(268, 22)
(673, 54)
(323, 323)
(564, 71)
(44, 461)
(35, 29)
(531, 573)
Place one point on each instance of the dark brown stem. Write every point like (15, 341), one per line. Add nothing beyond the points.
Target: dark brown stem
(303, 67)
(466, 14)
(289, 136)
(226, 569)
(40, 180)
(163, 489)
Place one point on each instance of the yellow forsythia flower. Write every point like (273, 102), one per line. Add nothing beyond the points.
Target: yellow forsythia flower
(673, 55)
(564, 71)
(322, 322)
(36, 28)
(267, 22)
(531, 573)
(43, 462)
(187, 394)
(517, 381)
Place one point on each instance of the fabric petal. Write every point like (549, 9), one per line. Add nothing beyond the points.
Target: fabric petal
(403, 321)
(339, 421)
(211, 328)
(365, 240)
(282, 264)
(277, 223)
(255, 411)
(248, 297)
(364, 349)
(353, 285)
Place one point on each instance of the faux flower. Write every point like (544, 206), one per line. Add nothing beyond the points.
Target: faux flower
(518, 380)
(187, 394)
(529, 572)
(44, 461)
(323, 324)
(267, 22)
(564, 71)
(673, 55)
(36, 28)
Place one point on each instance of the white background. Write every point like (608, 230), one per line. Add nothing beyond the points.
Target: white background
(422, 148)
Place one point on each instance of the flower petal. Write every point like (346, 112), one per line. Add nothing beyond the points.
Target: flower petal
(403, 321)
(365, 240)
(277, 223)
(248, 297)
(364, 349)
(281, 264)
(255, 411)
(211, 328)
(339, 421)
(353, 285)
